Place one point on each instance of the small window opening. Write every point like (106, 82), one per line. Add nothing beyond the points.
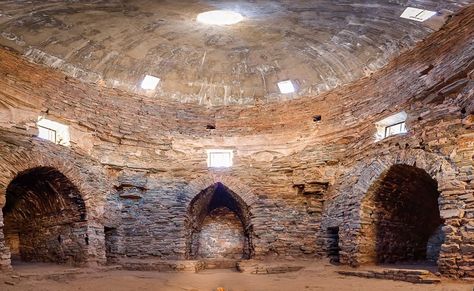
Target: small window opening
(150, 82)
(53, 131)
(395, 129)
(219, 158)
(417, 14)
(286, 87)
(317, 118)
(392, 125)
(210, 126)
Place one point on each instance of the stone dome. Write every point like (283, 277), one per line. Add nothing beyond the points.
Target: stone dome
(319, 45)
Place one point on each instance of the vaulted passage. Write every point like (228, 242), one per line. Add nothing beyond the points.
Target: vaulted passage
(45, 218)
(401, 217)
(218, 225)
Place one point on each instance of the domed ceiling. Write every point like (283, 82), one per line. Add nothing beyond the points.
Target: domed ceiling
(319, 45)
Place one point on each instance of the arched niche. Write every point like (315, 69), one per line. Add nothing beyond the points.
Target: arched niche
(400, 218)
(45, 218)
(218, 225)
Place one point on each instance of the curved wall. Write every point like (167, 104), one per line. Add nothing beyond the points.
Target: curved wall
(306, 176)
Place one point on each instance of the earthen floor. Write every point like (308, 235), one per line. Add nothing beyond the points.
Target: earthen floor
(315, 276)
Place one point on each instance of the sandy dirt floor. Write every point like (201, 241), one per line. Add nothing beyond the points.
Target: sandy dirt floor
(320, 277)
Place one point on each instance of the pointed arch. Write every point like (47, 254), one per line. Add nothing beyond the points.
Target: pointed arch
(219, 202)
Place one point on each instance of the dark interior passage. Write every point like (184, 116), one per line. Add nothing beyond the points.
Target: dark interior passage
(111, 244)
(332, 242)
(218, 225)
(404, 220)
(45, 218)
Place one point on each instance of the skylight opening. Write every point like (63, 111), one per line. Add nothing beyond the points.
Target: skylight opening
(53, 131)
(417, 14)
(150, 82)
(286, 87)
(220, 158)
(219, 17)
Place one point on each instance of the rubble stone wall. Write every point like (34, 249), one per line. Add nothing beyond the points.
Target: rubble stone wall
(50, 229)
(140, 161)
(222, 236)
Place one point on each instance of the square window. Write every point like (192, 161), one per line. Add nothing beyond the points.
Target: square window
(395, 129)
(53, 131)
(219, 158)
(286, 87)
(417, 14)
(150, 82)
(391, 125)
(47, 133)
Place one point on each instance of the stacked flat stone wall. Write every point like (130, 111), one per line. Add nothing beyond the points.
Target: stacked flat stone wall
(297, 176)
(222, 236)
(400, 213)
(51, 230)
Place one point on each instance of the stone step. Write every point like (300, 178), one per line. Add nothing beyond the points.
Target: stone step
(265, 268)
(162, 265)
(220, 264)
(406, 275)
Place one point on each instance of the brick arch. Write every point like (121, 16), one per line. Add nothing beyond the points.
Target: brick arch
(22, 154)
(368, 172)
(242, 195)
(238, 187)
(16, 162)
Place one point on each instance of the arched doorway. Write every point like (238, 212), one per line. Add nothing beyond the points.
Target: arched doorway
(45, 218)
(218, 225)
(400, 218)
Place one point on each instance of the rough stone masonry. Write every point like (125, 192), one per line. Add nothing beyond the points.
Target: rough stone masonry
(134, 184)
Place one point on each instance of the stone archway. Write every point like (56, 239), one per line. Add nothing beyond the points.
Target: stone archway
(45, 218)
(400, 218)
(347, 210)
(85, 175)
(218, 225)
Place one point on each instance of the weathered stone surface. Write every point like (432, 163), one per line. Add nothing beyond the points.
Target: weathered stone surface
(412, 276)
(319, 45)
(139, 162)
(266, 268)
(222, 235)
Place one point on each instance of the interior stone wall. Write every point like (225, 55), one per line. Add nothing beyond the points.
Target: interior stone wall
(55, 221)
(298, 177)
(435, 242)
(222, 236)
(219, 225)
(112, 240)
(12, 240)
(45, 210)
(346, 209)
(54, 244)
(400, 214)
(439, 141)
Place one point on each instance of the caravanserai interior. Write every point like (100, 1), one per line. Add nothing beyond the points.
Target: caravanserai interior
(237, 145)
